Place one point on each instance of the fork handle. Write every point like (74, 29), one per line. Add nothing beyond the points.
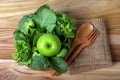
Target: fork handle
(69, 52)
(76, 53)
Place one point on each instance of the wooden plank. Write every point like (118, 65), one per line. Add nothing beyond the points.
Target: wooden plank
(6, 43)
(6, 38)
(115, 52)
(115, 45)
(9, 70)
(113, 31)
(6, 53)
(12, 11)
(9, 20)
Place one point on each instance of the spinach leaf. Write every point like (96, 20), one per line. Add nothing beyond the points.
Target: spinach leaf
(58, 64)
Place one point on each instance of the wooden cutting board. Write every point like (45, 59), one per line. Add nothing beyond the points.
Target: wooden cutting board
(11, 12)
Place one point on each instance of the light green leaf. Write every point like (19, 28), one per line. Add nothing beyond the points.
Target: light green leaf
(45, 19)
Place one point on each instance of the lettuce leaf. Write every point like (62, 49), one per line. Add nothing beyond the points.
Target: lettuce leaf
(64, 26)
(23, 53)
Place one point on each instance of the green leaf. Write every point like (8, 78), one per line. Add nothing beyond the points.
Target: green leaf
(41, 8)
(45, 19)
(64, 26)
(38, 32)
(50, 28)
(39, 62)
(62, 53)
(23, 52)
(58, 64)
(25, 23)
(18, 35)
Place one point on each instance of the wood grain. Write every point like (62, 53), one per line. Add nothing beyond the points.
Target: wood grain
(9, 70)
(11, 12)
(6, 38)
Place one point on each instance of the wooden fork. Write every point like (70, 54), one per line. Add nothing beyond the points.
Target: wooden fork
(86, 42)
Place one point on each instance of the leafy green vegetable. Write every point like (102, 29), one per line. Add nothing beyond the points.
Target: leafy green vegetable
(45, 18)
(23, 52)
(58, 64)
(31, 27)
(41, 8)
(37, 33)
(62, 53)
(25, 23)
(39, 62)
(64, 25)
(18, 35)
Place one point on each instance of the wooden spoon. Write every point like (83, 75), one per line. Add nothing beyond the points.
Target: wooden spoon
(81, 32)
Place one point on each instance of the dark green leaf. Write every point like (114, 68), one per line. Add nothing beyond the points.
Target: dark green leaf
(18, 35)
(58, 64)
(62, 53)
(39, 62)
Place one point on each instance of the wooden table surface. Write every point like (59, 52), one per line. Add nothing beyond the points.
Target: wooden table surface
(11, 11)
(11, 71)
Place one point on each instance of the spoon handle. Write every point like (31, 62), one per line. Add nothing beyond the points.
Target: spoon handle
(72, 51)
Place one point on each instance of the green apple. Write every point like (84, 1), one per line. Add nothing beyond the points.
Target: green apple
(48, 44)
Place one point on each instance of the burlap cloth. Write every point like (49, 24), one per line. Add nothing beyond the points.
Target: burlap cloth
(96, 55)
